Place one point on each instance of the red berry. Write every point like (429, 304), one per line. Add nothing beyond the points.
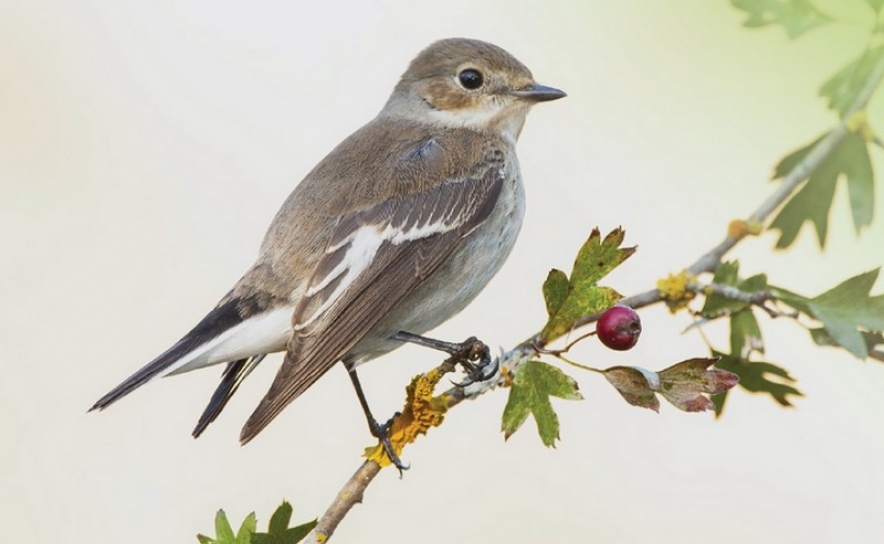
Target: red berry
(619, 328)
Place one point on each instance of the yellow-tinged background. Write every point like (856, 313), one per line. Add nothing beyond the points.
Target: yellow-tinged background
(145, 148)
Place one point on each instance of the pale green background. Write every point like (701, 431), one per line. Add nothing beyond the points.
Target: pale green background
(144, 150)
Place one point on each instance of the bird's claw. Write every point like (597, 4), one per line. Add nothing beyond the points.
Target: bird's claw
(471, 350)
(382, 433)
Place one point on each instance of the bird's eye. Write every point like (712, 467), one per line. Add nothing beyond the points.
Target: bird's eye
(470, 79)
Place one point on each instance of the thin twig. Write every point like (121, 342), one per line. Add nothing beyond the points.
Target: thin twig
(510, 361)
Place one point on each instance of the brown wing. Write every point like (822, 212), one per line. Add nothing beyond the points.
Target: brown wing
(374, 260)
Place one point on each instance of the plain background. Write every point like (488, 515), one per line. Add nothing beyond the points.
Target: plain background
(144, 150)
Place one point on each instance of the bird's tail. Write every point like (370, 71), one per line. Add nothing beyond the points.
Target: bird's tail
(223, 335)
(234, 374)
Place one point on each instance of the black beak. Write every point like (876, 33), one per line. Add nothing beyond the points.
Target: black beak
(538, 93)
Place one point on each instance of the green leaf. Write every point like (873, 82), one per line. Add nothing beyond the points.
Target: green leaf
(821, 337)
(753, 284)
(279, 521)
(555, 290)
(718, 402)
(745, 334)
(795, 16)
(535, 382)
(814, 200)
(841, 90)
(848, 308)
(857, 168)
(278, 530)
(599, 256)
(790, 161)
(754, 377)
(224, 532)
(811, 203)
(876, 4)
(581, 301)
(851, 316)
(249, 526)
(568, 300)
(794, 300)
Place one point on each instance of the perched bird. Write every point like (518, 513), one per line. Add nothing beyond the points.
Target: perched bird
(391, 234)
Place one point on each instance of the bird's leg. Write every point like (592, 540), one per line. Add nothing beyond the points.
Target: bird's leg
(381, 432)
(472, 354)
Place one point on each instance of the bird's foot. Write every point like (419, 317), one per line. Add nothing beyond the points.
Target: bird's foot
(382, 433)
(472, 354)
(475, 358)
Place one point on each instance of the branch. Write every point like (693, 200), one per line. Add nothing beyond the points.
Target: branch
(819, 153)
(348, 496)
(510, 361)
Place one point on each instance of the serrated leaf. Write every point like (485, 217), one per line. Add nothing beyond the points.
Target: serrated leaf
(848, 308)
(795, 16)
(848, 311)
(535, 382)
(279, 521)
(582, 301)
(555, 290)
(754, 377)
(224, 532)
(814, 200)
(598, 257)
(300, 532)
(249, 526)
(278, 530)
(811, 203)
(582, 297)
(841, 90)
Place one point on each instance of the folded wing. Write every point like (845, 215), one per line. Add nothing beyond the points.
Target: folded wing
(375, 258)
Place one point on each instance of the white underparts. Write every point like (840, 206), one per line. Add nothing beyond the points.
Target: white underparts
(263, 333)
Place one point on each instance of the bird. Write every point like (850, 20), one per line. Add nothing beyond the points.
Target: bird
(394, 232)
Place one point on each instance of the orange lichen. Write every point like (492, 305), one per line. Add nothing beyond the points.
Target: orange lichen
(422, 410)
(739, 229)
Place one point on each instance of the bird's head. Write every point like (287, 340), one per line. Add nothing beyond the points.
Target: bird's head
(464, 83)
